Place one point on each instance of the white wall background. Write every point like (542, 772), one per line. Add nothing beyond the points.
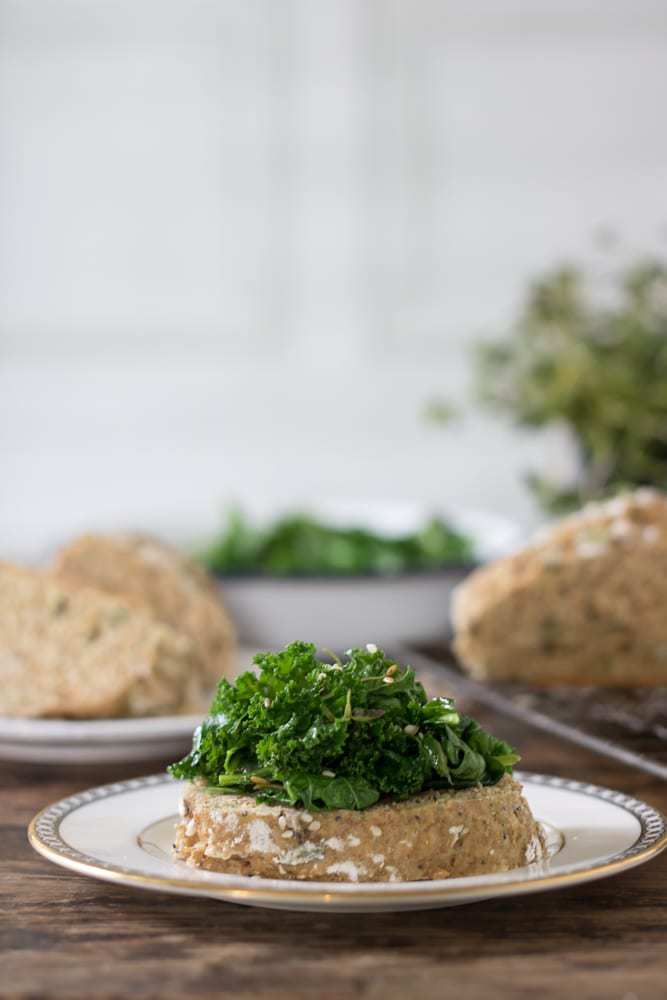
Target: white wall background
(243, 241)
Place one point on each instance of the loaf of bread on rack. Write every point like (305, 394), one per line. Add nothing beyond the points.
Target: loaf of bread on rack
(69, 651)
(152, 575)
(585, 604)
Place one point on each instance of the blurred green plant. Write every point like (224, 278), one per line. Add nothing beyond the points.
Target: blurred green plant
(598, 369)
(299, 544)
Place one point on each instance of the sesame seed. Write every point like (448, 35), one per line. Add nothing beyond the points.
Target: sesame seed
(590, 550)
(267, 703)
(392, 670)
(410, 730)
(260, 782)
(328, 774)
(371, 647)
(645, 496)
(388, 680)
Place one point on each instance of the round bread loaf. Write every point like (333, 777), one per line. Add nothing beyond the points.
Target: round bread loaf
(154, 576)
(436, 834)
(75, 652)
(585, 604)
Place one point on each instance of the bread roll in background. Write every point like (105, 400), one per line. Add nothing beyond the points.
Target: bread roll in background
(585, 604)
(69, 651)
(152, 575)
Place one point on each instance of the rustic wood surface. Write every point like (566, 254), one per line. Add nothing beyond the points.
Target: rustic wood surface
(64, 935)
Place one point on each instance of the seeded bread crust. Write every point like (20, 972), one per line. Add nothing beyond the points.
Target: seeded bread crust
(150, 574)
(433, 835)
(584, 605)
(73, 652)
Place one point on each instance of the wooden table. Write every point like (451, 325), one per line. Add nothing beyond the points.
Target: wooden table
(64, 935)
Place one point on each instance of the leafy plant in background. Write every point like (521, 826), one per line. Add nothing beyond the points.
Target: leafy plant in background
(299, 544)
(598, 369)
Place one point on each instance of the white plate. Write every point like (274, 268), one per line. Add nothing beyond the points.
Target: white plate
(96, 741)
(105, 741)
(123, 833)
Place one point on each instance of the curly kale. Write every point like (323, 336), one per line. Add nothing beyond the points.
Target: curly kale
(337, 735)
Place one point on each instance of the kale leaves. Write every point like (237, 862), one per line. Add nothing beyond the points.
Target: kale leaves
(299, 544)
(337, 735)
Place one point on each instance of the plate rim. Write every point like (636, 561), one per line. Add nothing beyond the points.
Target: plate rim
(47, 732)
(44, 836)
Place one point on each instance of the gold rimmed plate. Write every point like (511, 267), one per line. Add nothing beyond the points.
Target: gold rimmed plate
(123, 833)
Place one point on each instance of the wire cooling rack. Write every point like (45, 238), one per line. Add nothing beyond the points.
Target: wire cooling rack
(629, 724)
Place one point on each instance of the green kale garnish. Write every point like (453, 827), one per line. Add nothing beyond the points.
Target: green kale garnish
(298, 544)
(337, 735)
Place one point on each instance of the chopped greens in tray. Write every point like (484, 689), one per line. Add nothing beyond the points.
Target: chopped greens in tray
(337, 735)
(300, 544)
